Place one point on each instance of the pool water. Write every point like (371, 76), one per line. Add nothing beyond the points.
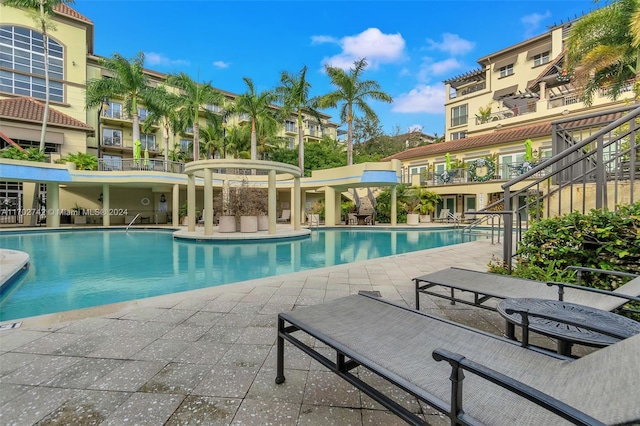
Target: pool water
(78, 269)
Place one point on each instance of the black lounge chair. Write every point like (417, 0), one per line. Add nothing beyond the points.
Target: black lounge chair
(486, 287)
(486, 380)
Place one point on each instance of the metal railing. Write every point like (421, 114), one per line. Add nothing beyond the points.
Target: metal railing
(596, 166)
(502, 171)
(127, 164)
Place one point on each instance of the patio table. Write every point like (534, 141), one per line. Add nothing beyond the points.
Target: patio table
(569, 323)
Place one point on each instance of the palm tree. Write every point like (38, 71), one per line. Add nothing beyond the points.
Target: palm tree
(267, 128)
(41, 11)
(128, 81)
(162, 106)
(353, 92)
(193, 100)
(604, 48)
(212, 140)
(293, 92)
(254, 105)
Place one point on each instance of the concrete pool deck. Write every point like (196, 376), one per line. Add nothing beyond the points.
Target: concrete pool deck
(208, 356)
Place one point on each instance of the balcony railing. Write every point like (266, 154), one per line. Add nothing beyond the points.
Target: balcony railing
(127, 164)
(502, 172)
(474, 88)
(508, 113)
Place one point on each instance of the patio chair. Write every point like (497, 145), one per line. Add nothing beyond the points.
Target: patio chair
(285, 216)
(502, 383)
(487, 287)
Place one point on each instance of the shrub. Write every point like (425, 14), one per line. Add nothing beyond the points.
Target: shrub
(29, 154)
(601, 239)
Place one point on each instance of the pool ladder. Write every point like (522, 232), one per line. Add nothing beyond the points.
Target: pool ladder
(131, 223)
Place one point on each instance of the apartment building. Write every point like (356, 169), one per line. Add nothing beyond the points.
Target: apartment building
(498, 121)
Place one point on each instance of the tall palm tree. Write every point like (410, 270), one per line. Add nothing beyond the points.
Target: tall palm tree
(293, 93)
(41, 11)
(353, 92)
(162, 106)
(128, 81)
(211, 140)
(194, 99)
(604, 48)
(255, 105)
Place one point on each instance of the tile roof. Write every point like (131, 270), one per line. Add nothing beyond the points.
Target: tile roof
(499, 137)
(29, 109)
(63, 9)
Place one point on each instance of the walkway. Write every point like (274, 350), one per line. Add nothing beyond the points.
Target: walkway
(208, 356)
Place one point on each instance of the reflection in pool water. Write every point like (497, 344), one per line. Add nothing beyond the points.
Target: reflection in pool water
(78, 269)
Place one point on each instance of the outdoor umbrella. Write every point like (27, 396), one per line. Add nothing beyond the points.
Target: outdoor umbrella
(528, 152)
(136, 152)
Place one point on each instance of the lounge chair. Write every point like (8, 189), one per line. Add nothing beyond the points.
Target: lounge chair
(486, 287)
(443, 217)
(503, 383)
(285, 216)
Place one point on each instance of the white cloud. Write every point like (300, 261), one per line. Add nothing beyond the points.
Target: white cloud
(532, 22)
(221, 64)
(372, 44)
(424, 98)
(429, 69)
(320, 39)
(152, 58)
(452, 44)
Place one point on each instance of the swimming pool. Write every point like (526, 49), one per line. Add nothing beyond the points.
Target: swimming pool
(78, 269)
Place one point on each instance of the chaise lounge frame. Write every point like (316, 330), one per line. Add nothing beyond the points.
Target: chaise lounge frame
(486, 287)
(343, 324)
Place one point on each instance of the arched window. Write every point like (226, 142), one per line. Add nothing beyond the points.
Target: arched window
(22, 63)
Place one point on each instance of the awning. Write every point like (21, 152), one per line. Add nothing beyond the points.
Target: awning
(32, 134)
(538, 50)
(501, 93)
(504, 62)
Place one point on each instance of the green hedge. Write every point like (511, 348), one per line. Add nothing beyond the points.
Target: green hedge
(600, 239)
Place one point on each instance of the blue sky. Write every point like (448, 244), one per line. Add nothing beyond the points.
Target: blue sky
(412, 46)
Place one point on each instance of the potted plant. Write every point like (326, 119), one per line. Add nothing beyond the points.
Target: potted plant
(78, 215)
(427, 201)
(225, 202)
(411, 202)
(316, 212)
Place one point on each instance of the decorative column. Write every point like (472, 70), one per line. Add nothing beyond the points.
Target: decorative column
(175, 205)
(271, 199)
(297, 204)
(394, 206)
(191, 203)
(53, 205)
(329, 206)
(208, 202)
(106, 205)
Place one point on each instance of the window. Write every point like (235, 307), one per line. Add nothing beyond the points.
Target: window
(458, 135)
(114, 110)
(142, 113)
(184, 145)
(541, 59)
(22, 52)
(289, 126)
(213, 108)
(459, 115)
(189, 129)
(148, 141)
(292, 143)
(506, 70)
(112, 137)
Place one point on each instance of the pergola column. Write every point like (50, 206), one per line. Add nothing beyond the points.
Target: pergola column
(106, 203)
(53, 205)
(175, 205)
(208, 202)
(298, 199)
(271, 199)
(191, 203)
(394, 206)
(329, 206)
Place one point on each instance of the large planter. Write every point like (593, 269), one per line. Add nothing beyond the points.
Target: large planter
(263, 223)
(227, 224)
(413, 219)
(80, 220)
(425, 218)
(248, 223)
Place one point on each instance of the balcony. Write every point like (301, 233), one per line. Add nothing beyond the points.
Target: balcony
(502, 172)
(513, 111)
(291, 129)
(127, 164)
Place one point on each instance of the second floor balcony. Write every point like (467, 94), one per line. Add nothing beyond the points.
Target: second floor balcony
(469, 175)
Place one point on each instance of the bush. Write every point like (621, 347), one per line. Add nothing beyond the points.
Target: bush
(601, 239)
(29, 154)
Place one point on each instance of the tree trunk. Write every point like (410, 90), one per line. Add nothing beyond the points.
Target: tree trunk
(166, 146)
(350, 136)
(196, 141)
(254, 137)
(300, 145)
